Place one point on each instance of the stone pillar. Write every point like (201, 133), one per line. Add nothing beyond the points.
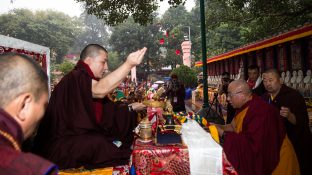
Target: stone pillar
(186, 49)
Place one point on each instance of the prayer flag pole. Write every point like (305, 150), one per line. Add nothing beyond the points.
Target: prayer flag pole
(204, 52)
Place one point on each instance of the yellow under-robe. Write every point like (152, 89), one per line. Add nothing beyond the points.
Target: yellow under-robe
(288, 164)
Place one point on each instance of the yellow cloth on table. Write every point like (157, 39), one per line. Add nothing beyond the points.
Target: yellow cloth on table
(82, 171)
(214, 133)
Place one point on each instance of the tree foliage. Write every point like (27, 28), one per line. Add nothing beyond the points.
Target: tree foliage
(258, 18)
(66, 67)
(195, 32)
(175, 17)
(233, 23)
(130, 36)
(223, 38)
(176, 22)
(186, 75)
(114, 60)
(94, 30)
(48, 28)
(172, 43)
(116, 11)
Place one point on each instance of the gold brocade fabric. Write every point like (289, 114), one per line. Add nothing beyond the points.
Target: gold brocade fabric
(82, 171)
(151, 159)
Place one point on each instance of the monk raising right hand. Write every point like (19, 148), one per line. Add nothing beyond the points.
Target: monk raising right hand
(135, 58)
(80, 125)
(105, 85)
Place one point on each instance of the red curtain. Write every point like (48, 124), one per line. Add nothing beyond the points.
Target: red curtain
(310, 54)
(282, 60)
(296, 56)
(39, 58)
(259, 59)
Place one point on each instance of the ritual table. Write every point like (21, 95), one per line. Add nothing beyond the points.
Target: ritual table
(152, 159)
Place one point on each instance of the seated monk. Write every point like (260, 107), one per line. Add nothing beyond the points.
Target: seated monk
(23, 98)
(81, 126)
(256, 141)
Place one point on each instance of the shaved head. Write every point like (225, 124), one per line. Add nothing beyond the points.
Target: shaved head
(91, 50)
(272, 81)
(274, 72)
(20, 74)
(239, 93)
(241, 85)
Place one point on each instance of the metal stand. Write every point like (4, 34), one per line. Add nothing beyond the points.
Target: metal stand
(213, 115)
(216, 103)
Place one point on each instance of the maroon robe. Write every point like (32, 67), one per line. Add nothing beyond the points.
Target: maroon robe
(299, 134)
(72, 134)
(256, 149)
(13, 162)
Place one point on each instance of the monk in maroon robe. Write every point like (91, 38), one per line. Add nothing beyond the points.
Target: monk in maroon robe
(23, 98)
(256, 142)
(82, 127)
(293, 109)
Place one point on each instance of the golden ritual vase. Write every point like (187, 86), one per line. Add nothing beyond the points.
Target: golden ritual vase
(145, 130)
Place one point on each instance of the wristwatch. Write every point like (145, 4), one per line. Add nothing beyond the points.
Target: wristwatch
(130, 108)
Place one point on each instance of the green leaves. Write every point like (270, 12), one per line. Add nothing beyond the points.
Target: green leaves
(66, 67)
(116, 11)
(262, 18)
(186, 75)
(48, 28)
(93, 30)
(130, 36)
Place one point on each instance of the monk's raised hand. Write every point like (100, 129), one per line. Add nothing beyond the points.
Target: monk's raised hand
(135, 58)
(136, 106)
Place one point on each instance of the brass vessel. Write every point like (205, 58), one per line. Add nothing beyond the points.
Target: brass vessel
(145, 132)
